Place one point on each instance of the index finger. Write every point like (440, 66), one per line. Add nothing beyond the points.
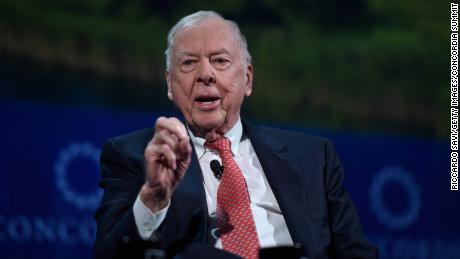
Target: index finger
(173, 125)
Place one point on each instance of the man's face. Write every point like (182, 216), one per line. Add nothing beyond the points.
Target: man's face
(207, 80)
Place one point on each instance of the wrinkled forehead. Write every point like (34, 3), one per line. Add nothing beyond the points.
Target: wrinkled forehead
(207, 35)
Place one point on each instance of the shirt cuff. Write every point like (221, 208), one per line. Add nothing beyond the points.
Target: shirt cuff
(147, 221)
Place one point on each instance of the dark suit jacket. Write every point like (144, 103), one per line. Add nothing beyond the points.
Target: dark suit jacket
(303, 171)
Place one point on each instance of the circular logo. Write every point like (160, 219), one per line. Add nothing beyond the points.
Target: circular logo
(78, 199)
(391, 175)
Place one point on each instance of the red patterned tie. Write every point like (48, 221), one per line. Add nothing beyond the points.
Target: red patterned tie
(234, 217)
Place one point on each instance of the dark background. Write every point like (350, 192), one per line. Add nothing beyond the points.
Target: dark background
(366, 66)
(371, 75)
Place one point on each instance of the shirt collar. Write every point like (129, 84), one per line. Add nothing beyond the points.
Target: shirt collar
(234, 135)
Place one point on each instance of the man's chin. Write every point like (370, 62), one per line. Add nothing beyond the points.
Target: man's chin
(208, 123)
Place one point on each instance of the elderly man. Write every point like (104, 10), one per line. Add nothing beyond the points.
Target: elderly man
(217, 179)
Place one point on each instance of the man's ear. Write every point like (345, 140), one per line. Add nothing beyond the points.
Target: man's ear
(168, 81)
(249, 76)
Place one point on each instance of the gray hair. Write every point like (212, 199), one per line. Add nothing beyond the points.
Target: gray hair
(195, 19)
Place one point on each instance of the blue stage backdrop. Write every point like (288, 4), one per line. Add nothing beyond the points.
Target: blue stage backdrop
(49, 171)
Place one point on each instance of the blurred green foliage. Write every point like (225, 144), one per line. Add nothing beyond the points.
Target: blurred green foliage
(360, 65)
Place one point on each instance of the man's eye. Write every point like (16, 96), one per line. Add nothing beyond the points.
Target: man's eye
(221, 60)
(188, 62)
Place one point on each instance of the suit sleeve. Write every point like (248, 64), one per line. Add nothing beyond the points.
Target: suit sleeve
(346, 229)
(121, 179)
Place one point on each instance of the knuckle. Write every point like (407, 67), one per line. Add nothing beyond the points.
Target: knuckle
(163, 132)
(176, 122)
(155, 141)
(160, 136)
(149, 149)
(179, 128)
(165, 147)
(157, 136)
(160, 121)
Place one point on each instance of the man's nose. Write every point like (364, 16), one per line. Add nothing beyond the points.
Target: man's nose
(206, 74)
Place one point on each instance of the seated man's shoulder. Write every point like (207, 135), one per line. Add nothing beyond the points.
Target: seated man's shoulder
(142, 135)
(295, 137)
(135, 141)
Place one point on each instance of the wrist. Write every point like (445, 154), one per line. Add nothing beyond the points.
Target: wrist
(153, 198)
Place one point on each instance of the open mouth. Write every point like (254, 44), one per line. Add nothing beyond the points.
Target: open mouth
(205, 99)
(207, 102)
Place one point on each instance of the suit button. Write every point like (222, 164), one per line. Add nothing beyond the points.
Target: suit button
(147, 226)
(125, 239)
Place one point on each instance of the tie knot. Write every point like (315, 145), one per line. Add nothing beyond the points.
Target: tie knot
(219, 145)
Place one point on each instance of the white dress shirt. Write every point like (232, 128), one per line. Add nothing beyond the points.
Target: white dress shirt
(270, 224)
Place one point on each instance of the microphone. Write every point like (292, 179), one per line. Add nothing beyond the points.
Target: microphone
(216, 169)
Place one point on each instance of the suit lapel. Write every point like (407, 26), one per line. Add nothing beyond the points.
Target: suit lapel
(284, 174)
(188, 212)
(193, 178)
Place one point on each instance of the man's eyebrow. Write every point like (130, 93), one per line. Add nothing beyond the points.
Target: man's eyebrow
(213, 53)
(186, 53)
(219, 51)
